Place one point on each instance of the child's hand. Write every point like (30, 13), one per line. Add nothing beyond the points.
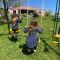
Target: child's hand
(34, 27)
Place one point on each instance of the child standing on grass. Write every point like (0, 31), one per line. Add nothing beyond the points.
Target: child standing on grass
(32, 38)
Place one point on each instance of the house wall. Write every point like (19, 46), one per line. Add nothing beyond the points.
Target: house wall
(11, 11)
(39, 12)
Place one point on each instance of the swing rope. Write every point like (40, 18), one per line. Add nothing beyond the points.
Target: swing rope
(27, 13)
(20, 8)
(55, 33)
(57, 17)
(41, 17)
(42, 9)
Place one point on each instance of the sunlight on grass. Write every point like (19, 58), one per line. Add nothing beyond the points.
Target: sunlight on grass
(11, 51)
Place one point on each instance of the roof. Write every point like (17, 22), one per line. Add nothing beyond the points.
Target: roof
(23, 8)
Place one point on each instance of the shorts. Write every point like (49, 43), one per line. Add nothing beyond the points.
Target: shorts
(14, 30)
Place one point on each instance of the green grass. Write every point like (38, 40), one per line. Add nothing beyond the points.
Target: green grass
(0, 17)
(11, 51)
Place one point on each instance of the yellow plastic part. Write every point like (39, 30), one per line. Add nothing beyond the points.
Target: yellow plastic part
(10, 30)
(18, 30)
(54, 43)
(57, 36)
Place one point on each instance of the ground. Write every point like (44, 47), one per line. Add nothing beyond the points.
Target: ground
(13, 50)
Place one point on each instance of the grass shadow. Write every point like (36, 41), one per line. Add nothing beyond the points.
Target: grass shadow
(4, 34)
(22, 35)
(24, 50)
(12, 39)
(47, 45)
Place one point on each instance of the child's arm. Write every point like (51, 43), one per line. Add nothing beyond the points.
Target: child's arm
(17, 21)
(40, 30)
(26, 30)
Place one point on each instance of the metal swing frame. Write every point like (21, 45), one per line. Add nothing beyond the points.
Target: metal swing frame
(55, 35)
(56, 17)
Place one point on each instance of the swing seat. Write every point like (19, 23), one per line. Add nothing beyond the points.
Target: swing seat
(57, 36)
(18, 31)
(54, 43)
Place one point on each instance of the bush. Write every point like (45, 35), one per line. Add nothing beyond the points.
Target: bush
(35, 15)
(3, 22)
(0, 17)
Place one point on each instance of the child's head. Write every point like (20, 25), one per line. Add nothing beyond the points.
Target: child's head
(15, 17)
(34, 23)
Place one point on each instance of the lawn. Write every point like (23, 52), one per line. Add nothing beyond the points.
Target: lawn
(12, 51)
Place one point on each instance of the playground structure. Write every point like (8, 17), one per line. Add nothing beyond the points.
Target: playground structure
(56, 35)
(21, 10)
(55, 29)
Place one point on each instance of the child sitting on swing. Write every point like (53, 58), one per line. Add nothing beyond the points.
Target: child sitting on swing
(14, 24)
(32, 38)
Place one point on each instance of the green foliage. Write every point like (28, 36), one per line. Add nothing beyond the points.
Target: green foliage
(16, 5)
(0, 17)
(48, 13)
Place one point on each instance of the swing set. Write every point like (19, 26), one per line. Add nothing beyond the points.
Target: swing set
(56, 35)
(8, 4)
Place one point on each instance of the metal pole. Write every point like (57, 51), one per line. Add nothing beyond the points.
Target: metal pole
(27, 12)
(42, 9)
(20, 9)
(54, 27)
(57, 16)
(4, 3)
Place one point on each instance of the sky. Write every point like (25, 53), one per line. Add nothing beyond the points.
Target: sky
(38, 4)
(48, 4)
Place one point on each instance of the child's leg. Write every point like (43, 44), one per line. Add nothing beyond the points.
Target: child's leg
(34, 50)
(29, 50)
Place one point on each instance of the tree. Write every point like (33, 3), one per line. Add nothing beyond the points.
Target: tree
(16, 5)
(2, 12)
(48, 13)
(6, 15)
(14, 2)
